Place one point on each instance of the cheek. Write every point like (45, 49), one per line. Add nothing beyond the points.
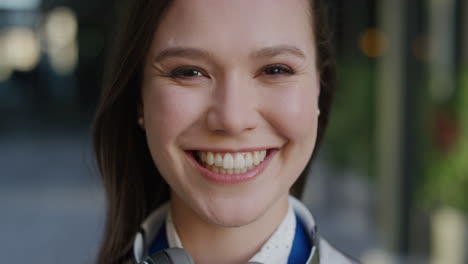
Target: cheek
(293, 112)
(169, 110)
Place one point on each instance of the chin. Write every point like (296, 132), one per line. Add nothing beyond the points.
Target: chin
(235, 212)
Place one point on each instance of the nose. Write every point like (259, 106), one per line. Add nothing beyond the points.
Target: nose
(234, 108)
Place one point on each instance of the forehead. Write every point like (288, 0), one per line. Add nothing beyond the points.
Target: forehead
(235, 24)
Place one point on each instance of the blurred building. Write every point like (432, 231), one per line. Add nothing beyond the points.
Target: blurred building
(388, 187)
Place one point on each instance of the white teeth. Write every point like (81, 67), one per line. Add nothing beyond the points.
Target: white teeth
(228, 161)
(209, 158)
(248, 160)
(256, 158)
(218, 160)
(231, 163)
(239, 161)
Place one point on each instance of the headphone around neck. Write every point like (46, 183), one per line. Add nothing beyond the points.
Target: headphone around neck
(173, 256)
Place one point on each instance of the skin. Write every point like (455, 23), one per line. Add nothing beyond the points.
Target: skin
(254, 85)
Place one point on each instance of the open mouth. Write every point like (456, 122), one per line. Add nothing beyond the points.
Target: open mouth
(230, 163)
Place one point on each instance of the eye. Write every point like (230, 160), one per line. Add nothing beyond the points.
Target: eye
(186, 72)
(277, 69)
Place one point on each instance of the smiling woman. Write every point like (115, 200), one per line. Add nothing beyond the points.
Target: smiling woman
(213, 110)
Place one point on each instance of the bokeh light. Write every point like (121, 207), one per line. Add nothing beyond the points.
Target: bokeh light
(21, 49)
(372, 42)
(60, 27)
(64, 60)
(60, 31)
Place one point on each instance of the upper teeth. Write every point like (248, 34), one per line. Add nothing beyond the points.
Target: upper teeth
(232, 160)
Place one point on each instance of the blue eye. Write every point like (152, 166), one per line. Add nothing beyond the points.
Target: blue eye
(277, 69)
(186, 73)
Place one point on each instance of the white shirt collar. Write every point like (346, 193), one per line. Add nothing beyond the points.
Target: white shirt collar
(278, 247)
(172, 236)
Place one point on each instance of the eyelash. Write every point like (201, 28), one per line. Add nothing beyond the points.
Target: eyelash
(278, 67)
(181, 72)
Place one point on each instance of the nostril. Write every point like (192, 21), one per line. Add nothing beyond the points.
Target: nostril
(232, 121)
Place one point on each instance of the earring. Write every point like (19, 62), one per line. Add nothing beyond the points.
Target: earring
(318, 111)
(141, 122)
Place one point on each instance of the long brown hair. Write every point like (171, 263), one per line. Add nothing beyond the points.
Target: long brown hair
(133, 185)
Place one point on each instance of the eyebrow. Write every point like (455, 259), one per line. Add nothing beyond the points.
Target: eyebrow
(199, 53)
(279, 50)
(181, 52)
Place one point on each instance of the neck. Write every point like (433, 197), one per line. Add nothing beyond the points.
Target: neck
(209, 243)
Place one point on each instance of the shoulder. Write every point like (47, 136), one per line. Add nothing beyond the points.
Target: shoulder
(330, 255)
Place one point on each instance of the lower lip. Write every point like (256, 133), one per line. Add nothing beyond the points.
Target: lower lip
(220, 178)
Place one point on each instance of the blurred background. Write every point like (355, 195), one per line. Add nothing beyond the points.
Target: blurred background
(391, 181)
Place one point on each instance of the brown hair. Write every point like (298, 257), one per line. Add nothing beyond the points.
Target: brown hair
(132, 182)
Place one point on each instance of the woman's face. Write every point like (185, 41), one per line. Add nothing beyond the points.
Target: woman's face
(230, 102)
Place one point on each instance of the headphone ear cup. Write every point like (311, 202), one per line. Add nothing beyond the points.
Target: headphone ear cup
(159, 257)
(169, 256)
(179, 256)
